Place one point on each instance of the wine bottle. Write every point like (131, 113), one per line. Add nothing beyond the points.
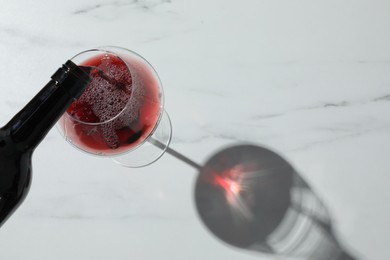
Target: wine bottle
(23, 133)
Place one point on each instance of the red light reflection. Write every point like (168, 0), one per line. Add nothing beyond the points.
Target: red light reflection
(229, 181)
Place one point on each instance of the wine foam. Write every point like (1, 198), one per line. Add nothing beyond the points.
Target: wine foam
(114, 98)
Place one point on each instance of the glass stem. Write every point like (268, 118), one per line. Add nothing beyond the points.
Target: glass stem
(175, 153)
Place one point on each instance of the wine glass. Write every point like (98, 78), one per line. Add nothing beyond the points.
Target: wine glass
(121, 113)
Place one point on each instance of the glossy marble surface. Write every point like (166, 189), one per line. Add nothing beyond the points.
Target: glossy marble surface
(310, 79)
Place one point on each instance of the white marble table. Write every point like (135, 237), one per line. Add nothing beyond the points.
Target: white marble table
(308, 78)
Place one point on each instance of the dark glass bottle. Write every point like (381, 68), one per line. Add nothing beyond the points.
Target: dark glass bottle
(23, 133)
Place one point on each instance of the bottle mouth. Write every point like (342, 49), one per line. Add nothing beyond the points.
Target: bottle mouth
(74, 76)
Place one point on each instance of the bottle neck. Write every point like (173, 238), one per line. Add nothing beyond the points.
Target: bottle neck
(28, 127)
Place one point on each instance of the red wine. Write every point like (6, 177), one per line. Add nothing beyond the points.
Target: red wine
(118, 110)
(26, 130)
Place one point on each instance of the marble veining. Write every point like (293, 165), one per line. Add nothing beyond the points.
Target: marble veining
(101, 10)
(144, 4)
(307, 79)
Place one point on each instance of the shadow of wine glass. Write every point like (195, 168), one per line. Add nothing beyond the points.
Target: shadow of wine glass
(251, 198)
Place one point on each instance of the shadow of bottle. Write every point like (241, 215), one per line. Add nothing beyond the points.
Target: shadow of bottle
(252, 198)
